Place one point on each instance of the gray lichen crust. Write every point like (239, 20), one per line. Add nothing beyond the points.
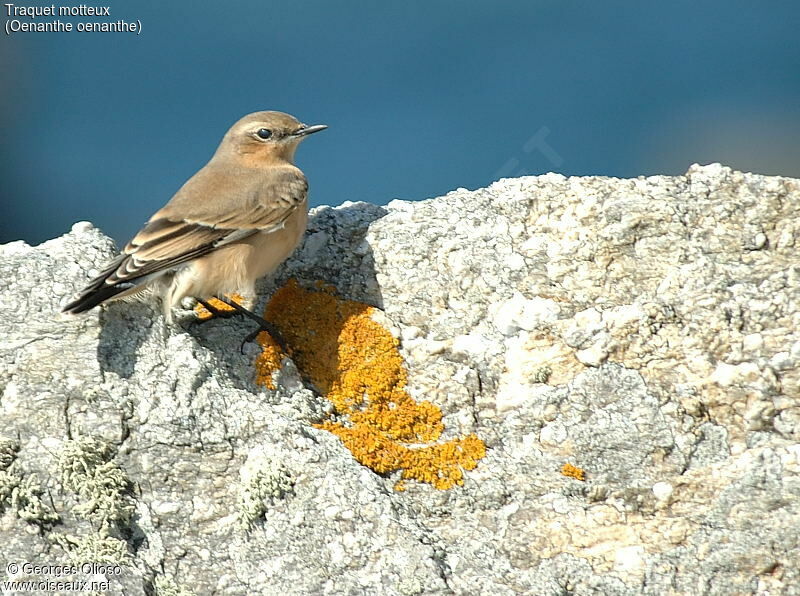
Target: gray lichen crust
(642, 331)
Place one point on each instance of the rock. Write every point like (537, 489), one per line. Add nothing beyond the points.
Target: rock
(643, 331)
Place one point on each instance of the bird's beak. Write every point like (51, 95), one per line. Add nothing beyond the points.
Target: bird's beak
(307, 130)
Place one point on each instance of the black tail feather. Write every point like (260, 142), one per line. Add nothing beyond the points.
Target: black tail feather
(88, 300)
(98, 291)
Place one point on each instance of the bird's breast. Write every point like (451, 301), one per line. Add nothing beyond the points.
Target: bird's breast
(267, 250)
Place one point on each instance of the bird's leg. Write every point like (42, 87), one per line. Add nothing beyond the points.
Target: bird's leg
(263, 324)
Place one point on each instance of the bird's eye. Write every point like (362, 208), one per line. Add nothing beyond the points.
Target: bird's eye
(264, 133)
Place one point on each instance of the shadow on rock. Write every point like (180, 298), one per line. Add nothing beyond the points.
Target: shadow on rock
(124, 328)
(334, 251)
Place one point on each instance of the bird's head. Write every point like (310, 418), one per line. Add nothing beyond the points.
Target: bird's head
(266, 137)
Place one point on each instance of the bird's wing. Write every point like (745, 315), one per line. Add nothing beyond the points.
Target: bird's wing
(212, 209)
(265, 205)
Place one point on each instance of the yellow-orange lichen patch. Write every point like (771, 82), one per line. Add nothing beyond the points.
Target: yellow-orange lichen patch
(268, 361)
(204, 314)
(571, 471)
(356, 364)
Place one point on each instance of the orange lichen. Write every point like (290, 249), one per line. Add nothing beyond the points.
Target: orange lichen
(356, 364)
(268, 361)
(204, 314)
(571, 471)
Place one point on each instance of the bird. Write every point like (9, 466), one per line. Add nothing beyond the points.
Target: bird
(237, 219)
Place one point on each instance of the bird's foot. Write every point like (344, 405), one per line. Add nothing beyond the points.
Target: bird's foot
(214, 308)
(263, 324)
(273, 333)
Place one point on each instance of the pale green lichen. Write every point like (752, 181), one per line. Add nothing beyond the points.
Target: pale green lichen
(410, 586)
(542, 374)
(88, 469)
(27, 499)
(8, 452)
(261, 489)
(165, 586)
(97, 547)
(22, 493)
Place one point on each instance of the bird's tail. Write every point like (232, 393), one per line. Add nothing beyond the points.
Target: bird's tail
(99, 291)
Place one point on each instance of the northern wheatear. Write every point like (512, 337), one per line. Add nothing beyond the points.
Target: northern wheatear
(234, 221)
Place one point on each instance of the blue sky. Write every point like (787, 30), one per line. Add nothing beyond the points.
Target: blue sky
(420, 97)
